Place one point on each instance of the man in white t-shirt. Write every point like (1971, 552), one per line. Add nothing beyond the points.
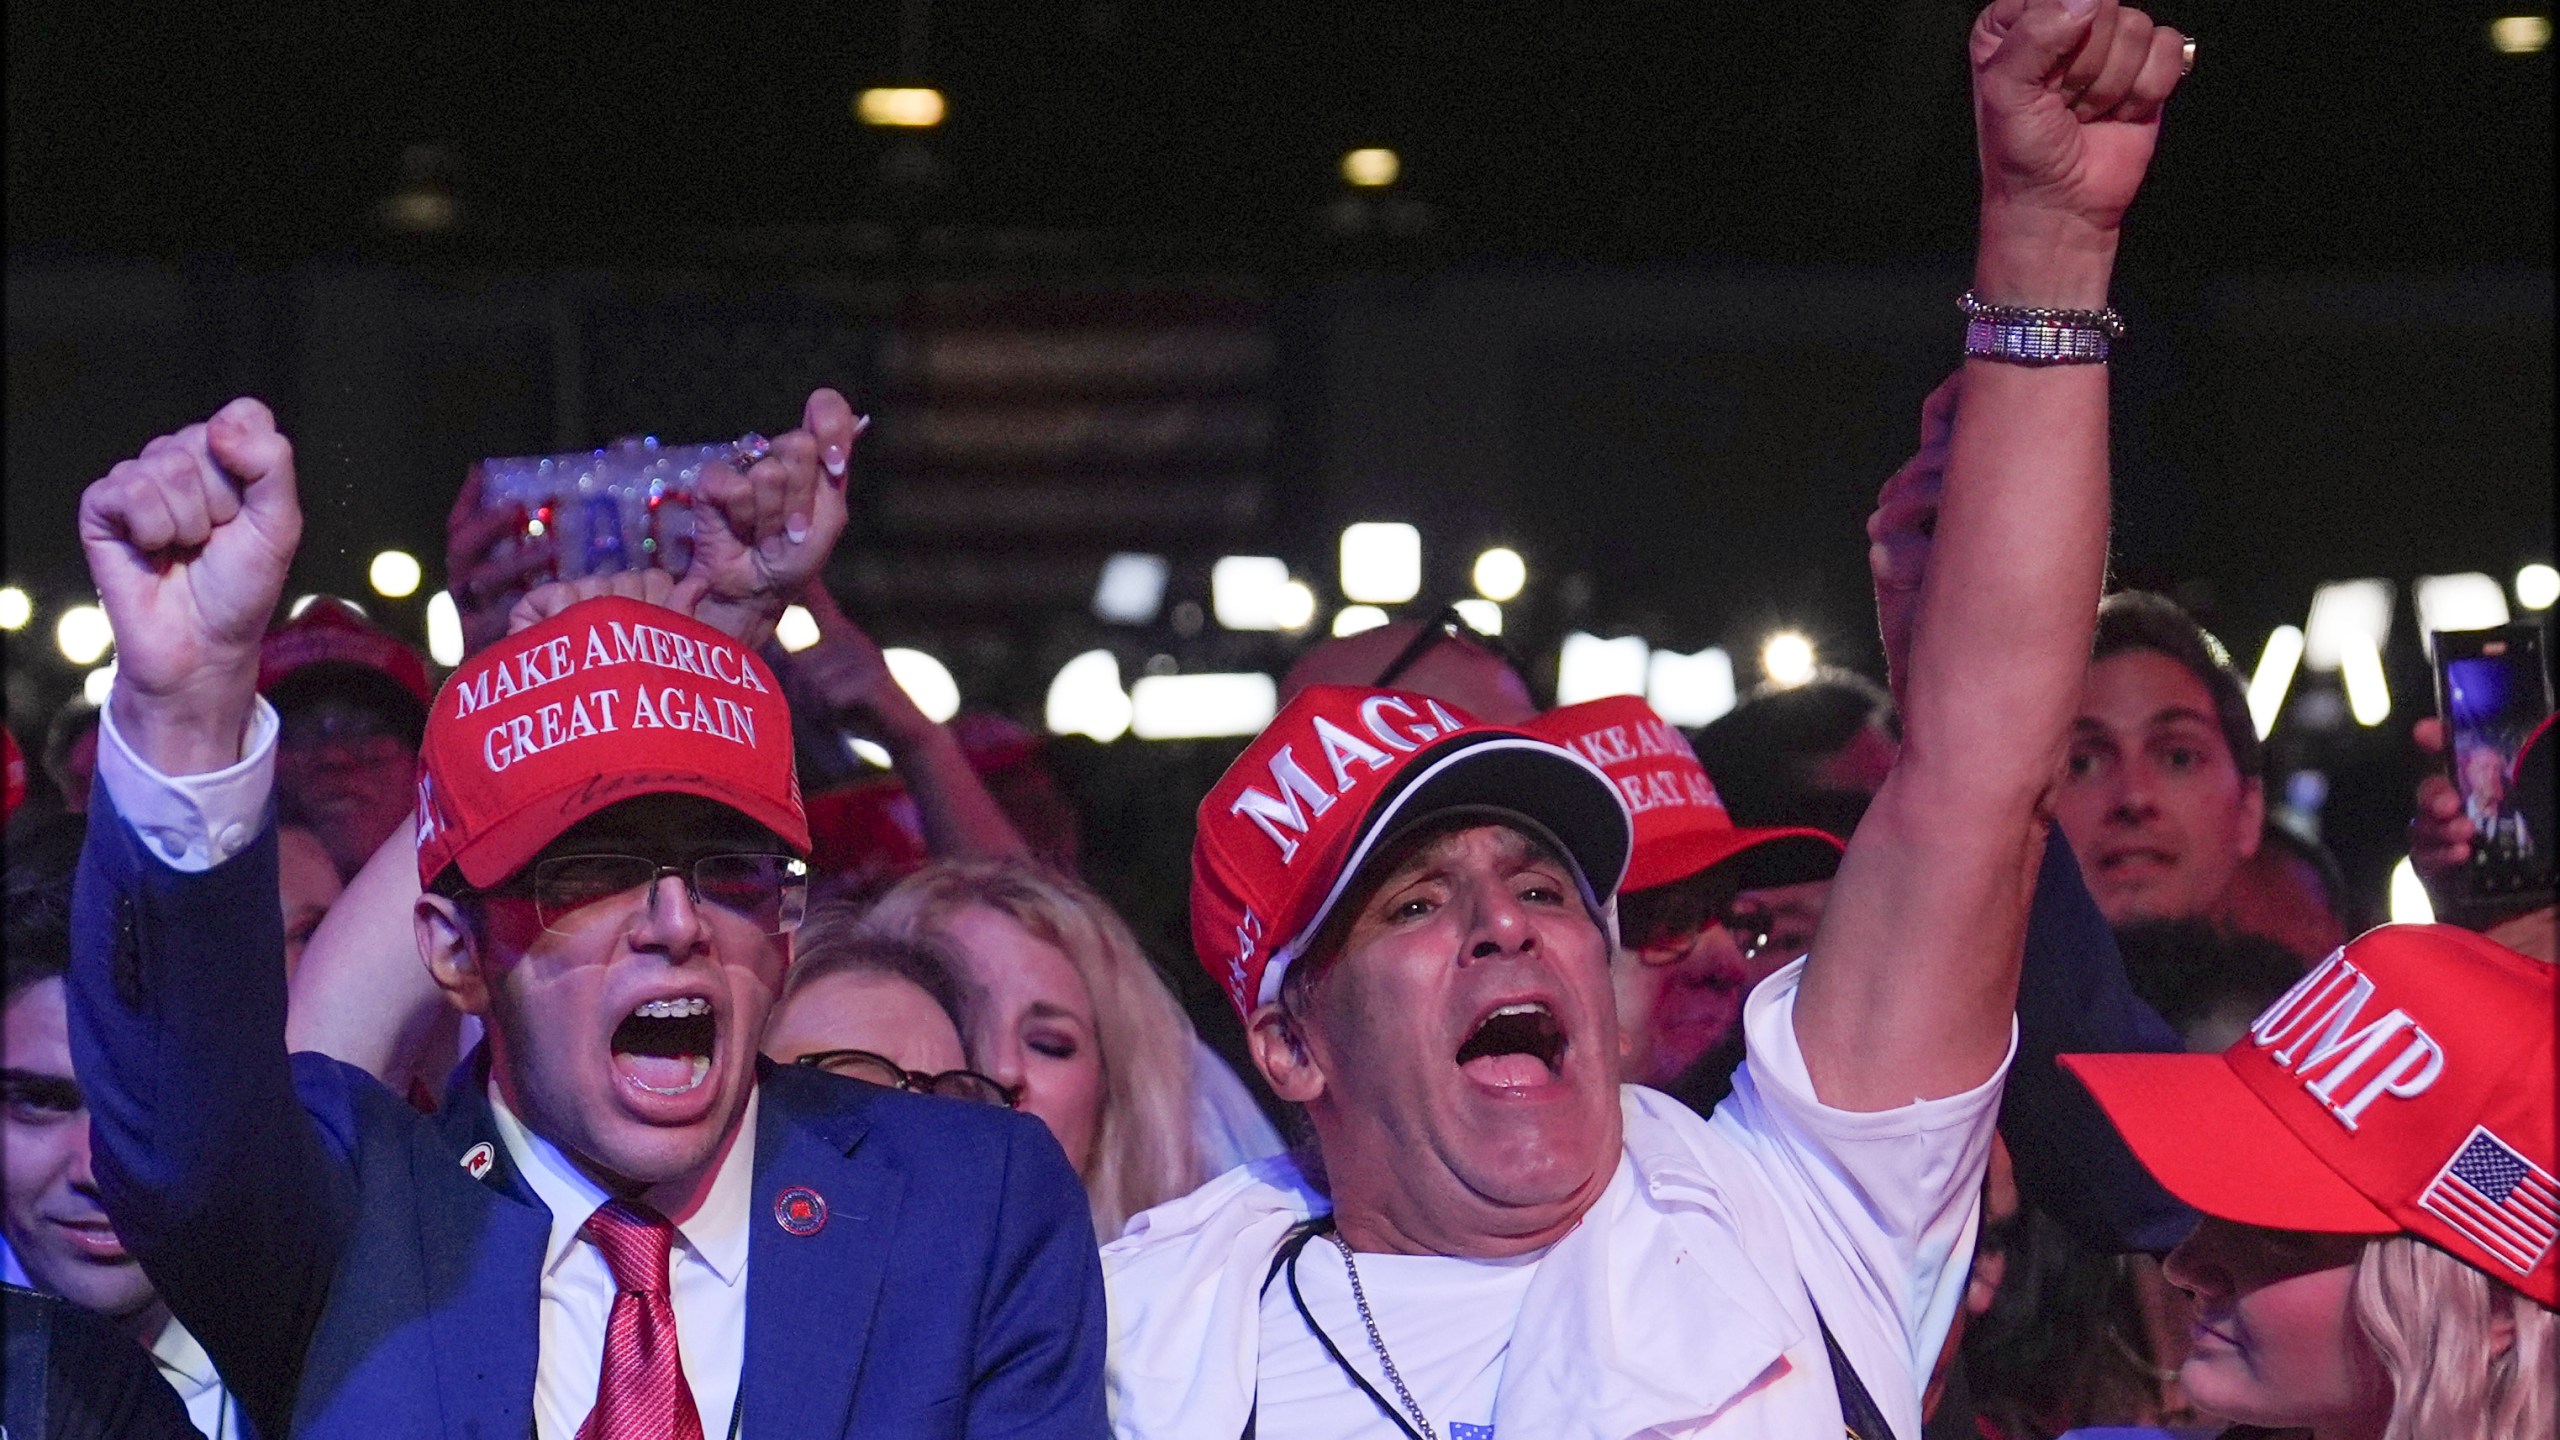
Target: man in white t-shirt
(1412, 910)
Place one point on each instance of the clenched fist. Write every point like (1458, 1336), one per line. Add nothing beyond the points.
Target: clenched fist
(2067, 97)
(761, 534)
(188, 543)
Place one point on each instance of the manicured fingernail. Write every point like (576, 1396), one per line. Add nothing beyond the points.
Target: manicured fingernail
(2079, 7)
(834, 458)
(773, 547)
(797, 527)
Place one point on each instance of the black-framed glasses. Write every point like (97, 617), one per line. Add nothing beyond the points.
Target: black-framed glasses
(770, 892)
(1659, 925)
(881, 1070)
(1447, 625)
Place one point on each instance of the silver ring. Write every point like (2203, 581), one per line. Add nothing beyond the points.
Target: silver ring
(747, 450)
(2187, 57)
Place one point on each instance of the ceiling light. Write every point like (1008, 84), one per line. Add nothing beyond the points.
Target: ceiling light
(1352, 619)
(900, 107)
(1086, 698)
(15, 608)
(1590, 668)
(1371, 168)
(444, 629)
(2537, 585)
(2520, 34)
(83, 634)
(1245, 591)
(1201, 707)
(1501, 573)
(1788, 659)
(796, 630)
(1381, 563)
(395, 574)
(2274, 677)
(2469, 601)
(1131, 590)
(1689, 689)
(1482, 616)
(925, 681)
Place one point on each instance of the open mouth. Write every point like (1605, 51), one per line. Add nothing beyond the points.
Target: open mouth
(664, 1046)
(1515, 1047)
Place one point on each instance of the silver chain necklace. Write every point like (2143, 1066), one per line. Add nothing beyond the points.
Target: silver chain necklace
(1386, 1362)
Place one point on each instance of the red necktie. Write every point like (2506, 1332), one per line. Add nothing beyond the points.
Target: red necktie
(641, 1395)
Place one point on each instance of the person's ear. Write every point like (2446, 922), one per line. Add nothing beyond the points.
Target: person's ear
(1280, 1051)
(450, 946)
(2253, 815)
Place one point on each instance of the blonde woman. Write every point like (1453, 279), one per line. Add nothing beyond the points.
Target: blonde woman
(2374, 1158)
(1071, 1016)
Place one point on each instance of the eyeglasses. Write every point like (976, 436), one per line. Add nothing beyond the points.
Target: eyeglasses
(881, 1070)
(1449, 624)
(1659, 926)
(770, 892)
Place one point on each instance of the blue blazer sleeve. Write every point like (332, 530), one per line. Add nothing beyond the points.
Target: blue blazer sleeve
(1040, 1333)
(2073, 997)
(219, 1181)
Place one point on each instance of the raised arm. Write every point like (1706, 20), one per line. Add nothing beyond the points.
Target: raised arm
(1913, 977)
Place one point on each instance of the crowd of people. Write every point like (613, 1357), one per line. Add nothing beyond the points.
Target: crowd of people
(528, 1049)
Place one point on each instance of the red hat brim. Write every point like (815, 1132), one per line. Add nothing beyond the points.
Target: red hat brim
(2209, 1140)
(1778, 856)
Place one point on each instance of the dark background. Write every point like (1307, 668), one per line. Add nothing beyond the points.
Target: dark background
(1655, 301)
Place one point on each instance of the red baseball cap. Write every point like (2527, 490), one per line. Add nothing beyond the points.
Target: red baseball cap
(2404, 1084)
(610, 699)
(1342, 769)
(1681, 824)
(331, 629)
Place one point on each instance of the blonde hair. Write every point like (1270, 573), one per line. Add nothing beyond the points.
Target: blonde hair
(1143, 1150)
(2429, 1318)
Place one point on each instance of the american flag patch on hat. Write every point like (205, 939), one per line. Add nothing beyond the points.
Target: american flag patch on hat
(2497, 1200)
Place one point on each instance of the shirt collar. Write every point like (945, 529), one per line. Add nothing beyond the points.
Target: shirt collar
(181, 1357)
(715, 1233)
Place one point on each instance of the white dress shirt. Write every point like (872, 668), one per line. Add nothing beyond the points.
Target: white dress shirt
(192, 822)
(706, 1278)
(190, 1372)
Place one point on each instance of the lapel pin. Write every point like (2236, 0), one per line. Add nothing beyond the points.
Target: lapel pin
(477, 1160)
(800, 1210)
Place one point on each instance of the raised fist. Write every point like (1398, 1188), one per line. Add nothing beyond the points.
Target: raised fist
(2066, 99)
(189, 543)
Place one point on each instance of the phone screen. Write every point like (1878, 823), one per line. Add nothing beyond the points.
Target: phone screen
(2495, 694)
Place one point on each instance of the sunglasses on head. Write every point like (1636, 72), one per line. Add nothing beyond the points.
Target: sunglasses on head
(1447, 626)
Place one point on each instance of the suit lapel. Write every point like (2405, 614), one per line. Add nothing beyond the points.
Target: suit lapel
(811, 1296)
(484, 1242)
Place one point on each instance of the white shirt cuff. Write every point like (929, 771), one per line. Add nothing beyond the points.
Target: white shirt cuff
(192, 822)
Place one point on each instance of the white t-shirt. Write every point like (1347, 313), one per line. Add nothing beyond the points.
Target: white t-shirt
(1447, 1322)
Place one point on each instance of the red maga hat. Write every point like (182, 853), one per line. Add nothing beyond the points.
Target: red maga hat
(2404, 1084)
(610, 699)
(1337, 772)
(1681, 825)
(331, 629)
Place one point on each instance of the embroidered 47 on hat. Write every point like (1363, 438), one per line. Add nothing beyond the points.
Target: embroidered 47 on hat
(610, 699)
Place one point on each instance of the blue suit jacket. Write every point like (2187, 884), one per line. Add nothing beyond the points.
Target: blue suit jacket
(350, 1278)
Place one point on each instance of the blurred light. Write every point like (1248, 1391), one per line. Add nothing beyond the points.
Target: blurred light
(2368, 698)
(1131, 589)
(395, 574)
(2470, 601)
(900, 107)
(1590, 668)
(2520, 34)
(534, 529)
(1690, 689)
(2341, 609)
(1483, 615)
(925, 681)
(2409, 903)
(1352, 619)
(2537, 586)
(83, 634)
(1201, 707)
(1371, 168)
(1381, 563)
(1297, 607)
(444, 630)
(1788, 658)
(1245, 591)
(869, 752)
(15, 608)
(94, 686)
(1086, 698)
(303, 602)
(1501, 573)
(2267, 687)
(797, 630)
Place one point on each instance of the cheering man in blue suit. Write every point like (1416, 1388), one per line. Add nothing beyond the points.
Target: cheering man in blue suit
(621, 1224)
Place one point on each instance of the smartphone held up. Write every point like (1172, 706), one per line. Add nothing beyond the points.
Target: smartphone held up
(624, 506)
(2493, 692)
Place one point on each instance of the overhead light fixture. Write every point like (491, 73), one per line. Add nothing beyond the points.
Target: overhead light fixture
(424, 202)
(1590, 668)
(1131, 590)
(2520, 34)
(925, 681)
(98, 684)
(796, 630)
(2341, 609)
(1352, 619)
(2537, 585)
(444, 629)
(1787, 658)
(1690, 689)
(1482, 616)
(1371, 168)
(2469, 601)
(1381, 562)
(900, 107)
(1297, 606)
(1201, 707)
(395, 574)
(2409, 902)
(83, 634)
(16, 609)
(1246, 591)
(2274, 677)
(2360, 666)
(1500, 573)
(1086, 698)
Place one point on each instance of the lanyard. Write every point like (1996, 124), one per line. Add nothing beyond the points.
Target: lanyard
(1287, 1261)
